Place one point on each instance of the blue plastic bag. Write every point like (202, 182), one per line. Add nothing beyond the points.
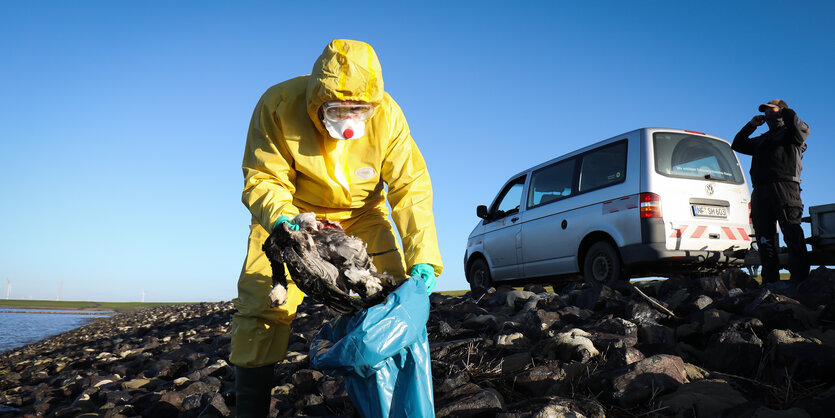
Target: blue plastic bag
(383, 354)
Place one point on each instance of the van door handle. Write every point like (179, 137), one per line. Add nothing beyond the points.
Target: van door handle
(514, 219)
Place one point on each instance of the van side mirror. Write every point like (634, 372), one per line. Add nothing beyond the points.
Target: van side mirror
(481, 211)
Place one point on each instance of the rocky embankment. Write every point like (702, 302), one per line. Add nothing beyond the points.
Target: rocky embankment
(714, 346)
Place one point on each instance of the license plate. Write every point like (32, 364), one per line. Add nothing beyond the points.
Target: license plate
(710, 211)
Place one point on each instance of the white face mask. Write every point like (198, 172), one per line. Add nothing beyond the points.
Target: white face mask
(346, 128)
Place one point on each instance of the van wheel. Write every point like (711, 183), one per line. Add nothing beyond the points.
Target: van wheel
(602, 265)
(479, 275)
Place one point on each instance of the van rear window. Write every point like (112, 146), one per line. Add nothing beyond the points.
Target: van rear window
(695, 157)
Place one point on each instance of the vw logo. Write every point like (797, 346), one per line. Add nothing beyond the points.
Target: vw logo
(709, 189)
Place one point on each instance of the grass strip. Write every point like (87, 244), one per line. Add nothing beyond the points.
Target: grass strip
(81, 305)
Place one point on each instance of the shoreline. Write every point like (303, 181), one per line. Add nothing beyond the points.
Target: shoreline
(57, 312)
(3, 308)
(75, 306)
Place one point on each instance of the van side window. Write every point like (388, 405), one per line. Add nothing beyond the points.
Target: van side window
(510, 199)
(603, 167)
(551, 183)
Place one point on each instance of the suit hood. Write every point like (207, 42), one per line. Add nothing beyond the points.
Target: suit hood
(348, 71)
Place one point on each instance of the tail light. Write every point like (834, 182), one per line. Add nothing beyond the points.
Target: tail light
(650, 205)
(750, 219)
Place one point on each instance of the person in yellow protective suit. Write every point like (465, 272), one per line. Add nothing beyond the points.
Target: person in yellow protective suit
(329, 142)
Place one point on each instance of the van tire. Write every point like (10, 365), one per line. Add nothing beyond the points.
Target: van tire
(479, 275)
(602, 265)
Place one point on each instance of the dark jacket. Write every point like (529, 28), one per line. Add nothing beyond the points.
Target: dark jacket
(776, 154)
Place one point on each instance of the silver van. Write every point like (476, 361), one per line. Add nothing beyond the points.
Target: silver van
(650, 202)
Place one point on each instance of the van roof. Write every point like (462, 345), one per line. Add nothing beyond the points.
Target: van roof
(647, 130)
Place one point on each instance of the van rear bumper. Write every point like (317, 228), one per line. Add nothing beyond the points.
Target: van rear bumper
(655, 257)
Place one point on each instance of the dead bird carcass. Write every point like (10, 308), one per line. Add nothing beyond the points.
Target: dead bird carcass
(326, 264)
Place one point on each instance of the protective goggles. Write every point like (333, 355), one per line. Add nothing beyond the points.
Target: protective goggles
(337, 111)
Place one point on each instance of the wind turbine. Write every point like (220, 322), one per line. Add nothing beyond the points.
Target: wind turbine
(8, 288)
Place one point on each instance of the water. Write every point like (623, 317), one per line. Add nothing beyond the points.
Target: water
(19, 327)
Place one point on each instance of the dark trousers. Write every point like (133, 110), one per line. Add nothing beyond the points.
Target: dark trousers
(253, 391)
(774, 203)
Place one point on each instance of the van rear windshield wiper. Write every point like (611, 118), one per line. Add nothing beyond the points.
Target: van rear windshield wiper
(709, 177)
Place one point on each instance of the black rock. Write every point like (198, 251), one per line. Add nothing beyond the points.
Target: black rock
(776, 352)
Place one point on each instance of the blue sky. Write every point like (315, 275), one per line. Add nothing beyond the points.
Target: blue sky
(122, 124)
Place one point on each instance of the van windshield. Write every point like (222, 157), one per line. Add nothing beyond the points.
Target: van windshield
(695, 157)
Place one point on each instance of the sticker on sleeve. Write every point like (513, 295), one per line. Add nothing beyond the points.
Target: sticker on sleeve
(365, 173)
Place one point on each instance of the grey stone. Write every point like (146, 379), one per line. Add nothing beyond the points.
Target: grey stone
(517, 297)
(483, 403)
(556, 411)
(452, 382)
(115, 398)
(714, 319)
(618, 326)
(172, 361)
(463, 390)
(655, 338)
(705, 398)
(312, 404)
(571, 345)
(136, 384)
(334, 392)
(641, 313)
(306, 379)
(515, 362)
(514, 341)
(714, 285)
(192, 401)
(546, 379)
(215, 406)
(792, 354)
(604, 341)
(702, 302)
(734, 352)
(676, 299)
(640, 381)
(546, 318)
(619, 357)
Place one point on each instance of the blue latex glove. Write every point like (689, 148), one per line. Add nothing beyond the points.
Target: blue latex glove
(427, 273)
(283, 219)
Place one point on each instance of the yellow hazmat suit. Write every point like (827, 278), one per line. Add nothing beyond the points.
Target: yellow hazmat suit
(292, 165)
